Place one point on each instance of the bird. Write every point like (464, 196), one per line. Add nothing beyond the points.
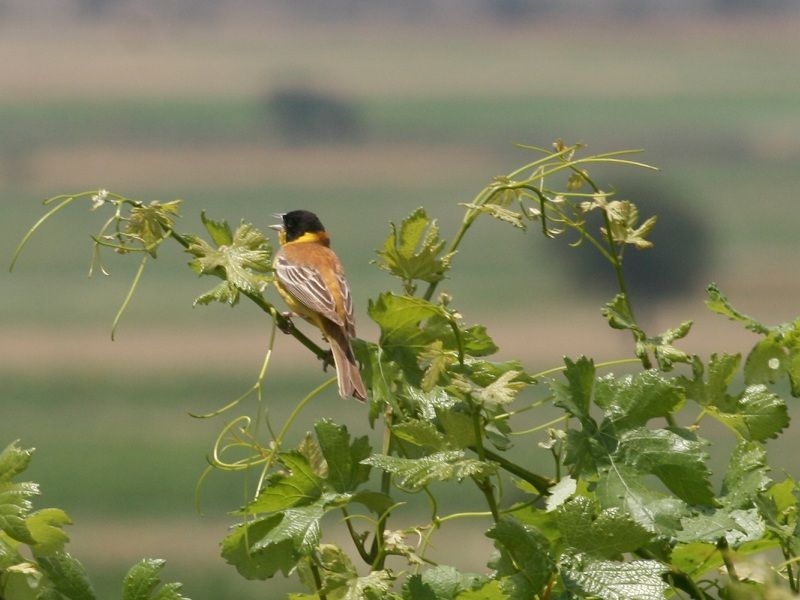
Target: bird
(310, 279)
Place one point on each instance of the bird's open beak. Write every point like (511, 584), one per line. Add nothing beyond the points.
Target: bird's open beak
(278, 226)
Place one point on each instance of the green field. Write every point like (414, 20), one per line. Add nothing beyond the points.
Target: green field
(181, 115)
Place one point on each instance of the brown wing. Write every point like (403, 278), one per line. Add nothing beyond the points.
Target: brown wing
(347, 300)
(305, 283)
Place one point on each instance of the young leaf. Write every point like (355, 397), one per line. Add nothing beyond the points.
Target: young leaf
(500, 212)
(46, 527)
(619, 316)
(413, 252)
(13, 461)
(524, 562)
(346, 467)
(150, 224)
(14, 507)
(219, 231)
(677, 458)
(243, 262)
(612, 580)
(14, 497)
(142, 580)
(718, 303)
(299, 488)
(602, 534)
(224, 293)
(662, 348)
(500, 392)
(416, 473)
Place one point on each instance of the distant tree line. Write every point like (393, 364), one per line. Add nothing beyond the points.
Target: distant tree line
(408, 9)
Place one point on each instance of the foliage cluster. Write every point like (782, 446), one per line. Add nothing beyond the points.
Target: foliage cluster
(628, 510)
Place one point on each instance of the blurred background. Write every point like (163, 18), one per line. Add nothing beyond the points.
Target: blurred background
(359, 111)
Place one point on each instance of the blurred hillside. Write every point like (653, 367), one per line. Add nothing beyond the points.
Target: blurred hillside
(361, 112)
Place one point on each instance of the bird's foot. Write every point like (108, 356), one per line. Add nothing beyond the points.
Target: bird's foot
(286, 325)
(327, 360)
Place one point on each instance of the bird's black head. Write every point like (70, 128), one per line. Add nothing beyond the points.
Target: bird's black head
(298, 222)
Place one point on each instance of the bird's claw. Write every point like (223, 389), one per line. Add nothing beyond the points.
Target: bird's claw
(286, 325)
(327, 360)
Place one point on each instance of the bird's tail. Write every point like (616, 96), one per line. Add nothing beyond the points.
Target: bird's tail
(347, 372)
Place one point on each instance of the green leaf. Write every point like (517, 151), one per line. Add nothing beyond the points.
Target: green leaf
(45, 526)
(718, 303)
(612, 580)
(300, 487)
(676, 457)
(767, 361)
(219, 231)
(458, 427)
(299, 525)
(262, 563)
(714, 391)
(524, 560)
(420, 433)
(757, 414)
(633, 400)
(588, 449)
(413, 252)
(375, 502)
(142, 580)
(737, 526)
(415, 473)
(489, 591)
(575, 397)
(440, 583)
(399, 318)
(68, 575)
(416, 589)
(346, 469)
(243, 262)
(13, 461)
(622, 487)
(14, 507)
(499, 212)
(224, 292)
(600, 533)
(746, 476)
(477, 341)
(334, 569)
(696, 558)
